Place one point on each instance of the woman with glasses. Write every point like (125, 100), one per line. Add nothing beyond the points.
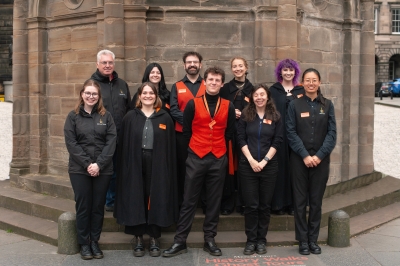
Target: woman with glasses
(311, 133)
(90, 137)
(155, 75)
(146, 198)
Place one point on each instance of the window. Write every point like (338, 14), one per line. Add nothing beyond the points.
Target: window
(396, 21)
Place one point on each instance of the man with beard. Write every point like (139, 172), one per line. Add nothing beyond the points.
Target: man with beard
(191, 86)
(116, 98)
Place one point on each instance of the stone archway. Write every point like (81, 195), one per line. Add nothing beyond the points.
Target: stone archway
(394, 66)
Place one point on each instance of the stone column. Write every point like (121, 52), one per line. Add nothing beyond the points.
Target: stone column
(37, 48)
(265, 43)
(114, 32)
(286, 30)
(21, 139)
(351, 91)
(135, 36)
(367, 83)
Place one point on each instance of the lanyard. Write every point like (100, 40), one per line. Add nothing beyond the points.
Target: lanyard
(213, 122)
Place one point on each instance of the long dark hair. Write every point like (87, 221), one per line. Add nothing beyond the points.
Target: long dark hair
(320, 97)
(163, 92)
(250, 111)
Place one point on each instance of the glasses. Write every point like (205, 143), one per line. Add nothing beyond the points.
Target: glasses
(104, 63)
(192, 62)
(88, 94)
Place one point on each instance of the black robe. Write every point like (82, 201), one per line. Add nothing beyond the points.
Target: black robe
(230, 92)
(283, 189)
(129, 208)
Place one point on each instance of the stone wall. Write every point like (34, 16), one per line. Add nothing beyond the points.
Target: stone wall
(58, 41)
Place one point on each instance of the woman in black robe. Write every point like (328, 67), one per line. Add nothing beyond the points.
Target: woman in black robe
(283, 92)
(237, 91)
(155, 75)
(146, 198)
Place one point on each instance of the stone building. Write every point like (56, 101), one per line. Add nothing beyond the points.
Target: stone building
(56, 41)
(6, 18)
(387, 40)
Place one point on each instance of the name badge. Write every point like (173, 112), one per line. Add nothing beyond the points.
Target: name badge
(246, 99)
(306, 114)
(167, 106)
(300, 95)
(181, 90)
(267, 121)
(162, 126)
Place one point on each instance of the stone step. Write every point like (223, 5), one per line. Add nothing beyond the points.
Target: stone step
(356, 201)
(46, 231)
(48, 207)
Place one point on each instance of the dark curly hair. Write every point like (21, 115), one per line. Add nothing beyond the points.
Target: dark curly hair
(250, 111)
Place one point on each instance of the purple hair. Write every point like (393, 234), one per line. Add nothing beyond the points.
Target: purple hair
(288, 63)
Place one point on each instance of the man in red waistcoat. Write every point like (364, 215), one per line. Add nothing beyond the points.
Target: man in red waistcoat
(208, 124)
(192, 85)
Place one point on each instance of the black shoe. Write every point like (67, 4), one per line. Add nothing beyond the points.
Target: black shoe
(109, 208)
(261, 249)
(240, 209)
(97, 253)
(154, 248)
(138, 246)
(174, 250)
(249, 249)
(314, 248)
(86, 252)
(303, 248)
(225, 212)
(290, 211)
(212, 248)
(279, 212)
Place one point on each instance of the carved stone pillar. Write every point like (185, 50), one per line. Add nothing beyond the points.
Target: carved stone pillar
(21, 139)
(367, 80)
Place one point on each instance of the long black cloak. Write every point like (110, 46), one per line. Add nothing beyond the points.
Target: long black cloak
(129, 208)
(283, 189)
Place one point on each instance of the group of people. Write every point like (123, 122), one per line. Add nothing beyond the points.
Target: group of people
(152, 159)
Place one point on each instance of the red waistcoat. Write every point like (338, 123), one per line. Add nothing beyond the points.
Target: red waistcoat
(204, 138)
(184, 95)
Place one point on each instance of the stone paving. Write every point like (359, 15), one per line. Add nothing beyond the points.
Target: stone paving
(5, 139)
(387, 136)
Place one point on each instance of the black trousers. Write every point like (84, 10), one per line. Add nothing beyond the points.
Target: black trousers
(209, 171)
(90, 196)
(308, 183)
(141, 229)
(257, 190)
(181, 156)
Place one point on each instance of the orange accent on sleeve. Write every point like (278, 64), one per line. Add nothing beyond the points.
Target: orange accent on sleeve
(148, 204)
(167, 106)
(230, 158)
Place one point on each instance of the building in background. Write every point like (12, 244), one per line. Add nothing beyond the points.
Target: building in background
(387, 40)
(6, 31)
(56, 41)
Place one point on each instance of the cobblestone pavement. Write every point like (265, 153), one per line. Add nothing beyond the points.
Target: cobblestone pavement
(5, 139)
(387, 136)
